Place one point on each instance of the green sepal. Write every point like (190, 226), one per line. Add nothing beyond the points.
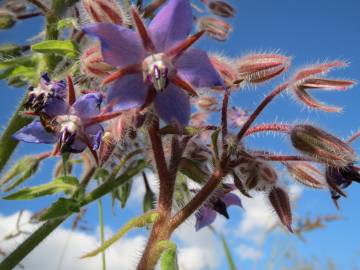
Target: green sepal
(168, 257)
(62, 47)
(191, 169)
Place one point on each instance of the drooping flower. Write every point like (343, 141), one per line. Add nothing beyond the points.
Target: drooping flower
(218, 204)
(49, 96)
(340, 178)
(154, 63)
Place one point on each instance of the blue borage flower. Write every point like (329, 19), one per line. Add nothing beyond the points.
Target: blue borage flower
(218, 204)
(155, 63)
(73, 126)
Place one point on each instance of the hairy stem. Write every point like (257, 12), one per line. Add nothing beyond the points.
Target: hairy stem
(268, 127)
(260, 108)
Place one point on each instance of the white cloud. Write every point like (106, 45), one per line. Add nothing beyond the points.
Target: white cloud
(248, 252)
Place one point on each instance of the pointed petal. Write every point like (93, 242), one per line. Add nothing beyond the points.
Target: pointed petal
(232, 199)
(204, 217)
(77, 146)
(35, 133)
(94, 134)
(128, 92)
(173, 104)
(195, 67)
(87, 105)
(172, 24)
(55, 106)
(120, 46)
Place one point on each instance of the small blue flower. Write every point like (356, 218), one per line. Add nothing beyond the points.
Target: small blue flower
(218, 204)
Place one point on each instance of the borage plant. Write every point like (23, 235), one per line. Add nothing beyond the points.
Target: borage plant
(141, 100)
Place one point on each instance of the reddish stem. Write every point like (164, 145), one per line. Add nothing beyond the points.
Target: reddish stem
(274, 157)
(71, 91)
(260, 108)
(268, 127)
(353, 137)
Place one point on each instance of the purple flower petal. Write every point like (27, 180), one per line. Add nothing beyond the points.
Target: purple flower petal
(195, 67)
(87, 105)
(128, 92)
(204, 217)
(94, 134)
(232, 199)
(120, 46)
(173, 104)
(77, 146)
(171, 24)
(35, 133)
(55, 106)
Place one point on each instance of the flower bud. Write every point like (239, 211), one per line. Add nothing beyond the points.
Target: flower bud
(221, 8)
(321, 145)
(207, 103)
(279, 200)
(93, 64)
(7, 19)
(107, 147)
(225, 68)
(306, 174)
(261, 67)
(215, 28)
(104, 11)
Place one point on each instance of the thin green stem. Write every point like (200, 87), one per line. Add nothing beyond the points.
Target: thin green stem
(102, 233)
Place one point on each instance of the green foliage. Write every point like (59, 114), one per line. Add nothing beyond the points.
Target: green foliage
(60, 208)
(191, 169)
(67, 23)
(168, 258)
(229, 257)
(62, 47)
(67, 184)
(20, 172)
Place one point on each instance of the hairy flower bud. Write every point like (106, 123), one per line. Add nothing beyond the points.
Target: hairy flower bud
(261, 67)
(221, 8)
(279, 200)
(306, 174)
(226, 70)
(7, 19)
(207, 103)
(93, 64)
(321, 145)
(104, 11)
(215, 28)
(107, 147)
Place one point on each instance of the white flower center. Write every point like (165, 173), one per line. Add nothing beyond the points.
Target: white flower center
(156, 70)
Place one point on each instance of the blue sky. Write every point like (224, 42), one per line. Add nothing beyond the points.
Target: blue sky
(307, 30)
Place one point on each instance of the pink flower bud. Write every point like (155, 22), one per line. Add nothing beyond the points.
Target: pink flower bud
(92, 63)
(306, 174)
(279, 200)
(225, 67)
(309, 78)
(221, 8)
(107, 147)
(261, 67)
(215, 28)
(104, 11)
(322, 146)
(207, 103)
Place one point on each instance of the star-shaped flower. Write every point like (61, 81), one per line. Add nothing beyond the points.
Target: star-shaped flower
(218, 204)
(155, 63)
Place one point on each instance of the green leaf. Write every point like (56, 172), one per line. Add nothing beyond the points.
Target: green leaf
(122, 193)
(60, 208)
(66, 184)
(138, 222)
(27, 61)
(168, 258)
(67, 23)
(214, 141)
(182, 193)
(62, 47)
(229, 257)
(193, 171)
(21, 171)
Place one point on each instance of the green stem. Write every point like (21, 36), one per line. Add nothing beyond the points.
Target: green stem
(102, 233)
(7, 143)
(30, 243)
